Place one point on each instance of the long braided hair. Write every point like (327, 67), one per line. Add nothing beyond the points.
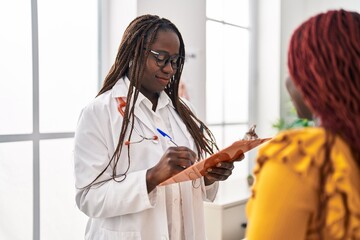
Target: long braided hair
(133, 51)
(324, 63)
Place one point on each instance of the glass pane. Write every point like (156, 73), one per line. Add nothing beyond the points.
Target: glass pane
(68, 61)
(218, 132)
(214, 72)
(16, 191)
(234, 133)
(236, 74)
(60, 218)
(16, 67)
(230, 11)
(214, 9)
(236, 12)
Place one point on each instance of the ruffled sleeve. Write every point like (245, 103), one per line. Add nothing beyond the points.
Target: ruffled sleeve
(303, 152)
(342, 190)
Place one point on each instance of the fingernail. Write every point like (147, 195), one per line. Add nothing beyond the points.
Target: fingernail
(218, 165)
(209, 170)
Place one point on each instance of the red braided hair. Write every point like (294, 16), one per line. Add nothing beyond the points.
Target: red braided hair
(324, 63)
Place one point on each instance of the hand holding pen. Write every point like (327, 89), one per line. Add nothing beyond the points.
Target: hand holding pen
(171, 140)
(174, 160)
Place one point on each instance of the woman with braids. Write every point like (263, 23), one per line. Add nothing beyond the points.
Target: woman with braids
(308, 180)
(120, 156)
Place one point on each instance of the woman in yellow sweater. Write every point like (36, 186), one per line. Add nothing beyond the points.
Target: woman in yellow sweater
(308, 180)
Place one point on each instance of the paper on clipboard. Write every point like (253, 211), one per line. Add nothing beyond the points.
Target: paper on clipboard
(229, 153)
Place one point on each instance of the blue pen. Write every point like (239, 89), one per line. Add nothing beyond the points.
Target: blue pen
(165, 135)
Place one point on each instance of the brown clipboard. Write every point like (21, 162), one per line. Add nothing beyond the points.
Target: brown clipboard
(230, 153)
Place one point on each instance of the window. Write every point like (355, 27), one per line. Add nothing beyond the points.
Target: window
(227, 64)
(49, 53)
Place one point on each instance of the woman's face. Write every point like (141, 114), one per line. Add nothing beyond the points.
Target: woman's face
(301, 108)
(156, 78)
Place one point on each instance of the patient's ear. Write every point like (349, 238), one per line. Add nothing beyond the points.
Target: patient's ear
(302, 110)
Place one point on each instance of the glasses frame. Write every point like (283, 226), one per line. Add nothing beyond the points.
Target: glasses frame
(167, 59)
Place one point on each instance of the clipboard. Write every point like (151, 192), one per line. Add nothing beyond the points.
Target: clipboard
(230, 153)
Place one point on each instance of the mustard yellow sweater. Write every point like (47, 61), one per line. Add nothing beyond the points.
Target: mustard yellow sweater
(285, 199)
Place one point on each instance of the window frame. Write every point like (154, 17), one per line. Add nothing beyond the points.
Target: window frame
(35, 137)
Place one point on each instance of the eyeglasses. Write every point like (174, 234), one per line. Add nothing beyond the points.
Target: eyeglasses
(163, 58)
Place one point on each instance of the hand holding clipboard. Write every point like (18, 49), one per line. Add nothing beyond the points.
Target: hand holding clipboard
(230, 153)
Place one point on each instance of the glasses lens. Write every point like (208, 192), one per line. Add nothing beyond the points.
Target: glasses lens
(174, 62)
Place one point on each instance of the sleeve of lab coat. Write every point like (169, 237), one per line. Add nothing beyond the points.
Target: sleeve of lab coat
(91, 156)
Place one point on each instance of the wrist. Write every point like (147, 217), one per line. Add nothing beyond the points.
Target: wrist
(150, 184)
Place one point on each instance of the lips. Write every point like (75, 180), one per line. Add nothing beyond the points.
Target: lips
(163, 81)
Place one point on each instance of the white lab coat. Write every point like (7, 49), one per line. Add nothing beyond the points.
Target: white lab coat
(124, 210)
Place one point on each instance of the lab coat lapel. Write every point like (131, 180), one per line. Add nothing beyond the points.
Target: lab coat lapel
(121, 90)
(140, 115)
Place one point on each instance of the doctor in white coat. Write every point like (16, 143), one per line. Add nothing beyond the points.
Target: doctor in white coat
(120, 157)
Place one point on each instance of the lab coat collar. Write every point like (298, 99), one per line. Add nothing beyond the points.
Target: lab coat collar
(121, 87)
(164, 100)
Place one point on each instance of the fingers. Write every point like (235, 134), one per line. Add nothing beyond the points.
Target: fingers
(222, 169)
(220, 172)
(185, 152)
(182, 157)
(184, 162)
(225, 165)
(184, 165)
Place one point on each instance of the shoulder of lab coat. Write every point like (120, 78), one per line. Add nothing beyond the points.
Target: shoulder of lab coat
(93, 149)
